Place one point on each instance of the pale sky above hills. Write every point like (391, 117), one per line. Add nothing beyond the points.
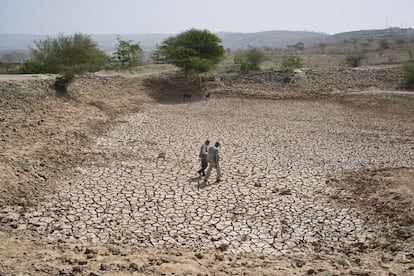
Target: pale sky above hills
(173, 16)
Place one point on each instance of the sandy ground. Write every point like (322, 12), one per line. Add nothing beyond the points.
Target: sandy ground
(48, 141)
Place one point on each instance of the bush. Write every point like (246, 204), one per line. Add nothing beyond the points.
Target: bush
(31, 67)
(291, 62)
(249, 60)
(408, 70)
(354, 60)
(55, 55)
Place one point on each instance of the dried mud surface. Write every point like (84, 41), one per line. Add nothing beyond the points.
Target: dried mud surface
(47, 140)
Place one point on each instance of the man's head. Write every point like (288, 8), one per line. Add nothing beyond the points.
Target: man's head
(217, 144)
(207, 142)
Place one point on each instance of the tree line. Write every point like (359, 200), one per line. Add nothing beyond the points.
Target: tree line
(193, 52)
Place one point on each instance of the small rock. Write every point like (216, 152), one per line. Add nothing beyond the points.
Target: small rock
(198, 255)
(311, 271)
(64, 272)
(104, 267)
(90, 251)
(219, 257)
(82, 262)
(114, 250)
(285, 192)
(77, 269)
(299, 263)
(133, 267)
(42, 176)
(215, 238)
(275, 190)
(360, 273)
(90, 256)
(223, 246)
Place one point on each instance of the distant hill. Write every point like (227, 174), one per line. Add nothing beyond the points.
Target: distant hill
(387, 34)
(270, 39)
(107, 42)
(234, 41)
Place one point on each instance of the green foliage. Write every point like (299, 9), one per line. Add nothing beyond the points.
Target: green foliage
(411, 54)
(55, 55)
(291, 62)
(31, 67)
(127, 53)
(249, 60)
(355, 59)
(408, 70)
(193, 51)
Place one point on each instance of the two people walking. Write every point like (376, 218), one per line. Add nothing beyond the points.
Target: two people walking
(210, 158)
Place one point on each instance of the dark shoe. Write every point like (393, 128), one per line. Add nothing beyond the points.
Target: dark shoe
(218, 180)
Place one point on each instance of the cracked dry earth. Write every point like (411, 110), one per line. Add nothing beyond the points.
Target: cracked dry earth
(277, 157)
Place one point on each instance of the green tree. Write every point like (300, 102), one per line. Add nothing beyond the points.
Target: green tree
(408, 71)
(77, 53)
(354, 59)
(291, 62)
(128, 53)
(250, 60)
(193, 51)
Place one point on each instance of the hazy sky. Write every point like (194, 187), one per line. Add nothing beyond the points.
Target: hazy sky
(173, 16)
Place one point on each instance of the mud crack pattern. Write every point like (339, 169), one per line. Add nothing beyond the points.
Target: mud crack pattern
(276, 158)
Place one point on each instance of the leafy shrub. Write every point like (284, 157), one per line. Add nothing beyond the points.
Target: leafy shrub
(31, 67)
(408, 70)
(354, 60)
(291, 62)
(127, 53)
(249, 60)
(55, 55)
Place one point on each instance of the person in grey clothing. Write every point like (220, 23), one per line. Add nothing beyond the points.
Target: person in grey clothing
(203, 158)
(213, 159)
